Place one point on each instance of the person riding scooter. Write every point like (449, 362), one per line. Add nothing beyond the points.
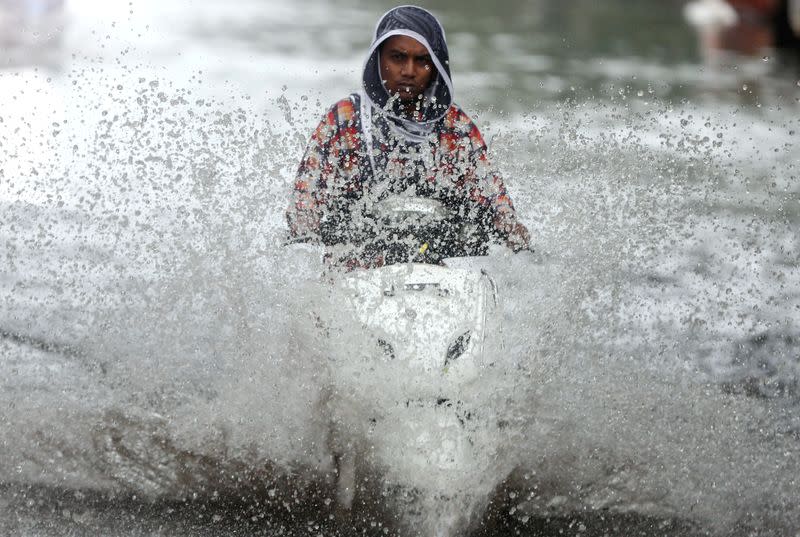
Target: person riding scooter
(400, 134)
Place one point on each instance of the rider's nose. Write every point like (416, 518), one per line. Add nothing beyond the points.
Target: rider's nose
(407, 68)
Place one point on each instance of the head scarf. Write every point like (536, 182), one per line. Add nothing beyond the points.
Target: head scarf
(419, 24)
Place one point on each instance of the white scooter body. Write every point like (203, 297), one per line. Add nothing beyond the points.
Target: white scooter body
(432, 317)
(409, 345)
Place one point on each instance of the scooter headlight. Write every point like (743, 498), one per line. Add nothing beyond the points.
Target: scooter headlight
(457, 348)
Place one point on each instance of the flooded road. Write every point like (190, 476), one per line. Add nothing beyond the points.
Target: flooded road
(155, 378)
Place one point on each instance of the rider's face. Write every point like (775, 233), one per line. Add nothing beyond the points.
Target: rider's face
(406, 67)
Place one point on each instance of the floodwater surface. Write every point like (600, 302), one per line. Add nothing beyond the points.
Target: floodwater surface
(160, 367)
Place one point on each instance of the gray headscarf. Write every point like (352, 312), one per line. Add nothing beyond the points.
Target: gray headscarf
(419, 24)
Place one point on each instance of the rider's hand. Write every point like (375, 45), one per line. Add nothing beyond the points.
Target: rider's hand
(519, 238)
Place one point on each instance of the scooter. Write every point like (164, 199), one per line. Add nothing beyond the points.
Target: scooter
(411, 346)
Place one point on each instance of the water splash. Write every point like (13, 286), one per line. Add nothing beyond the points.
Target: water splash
(178, 353)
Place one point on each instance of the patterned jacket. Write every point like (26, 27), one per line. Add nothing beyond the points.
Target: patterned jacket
(451, 164)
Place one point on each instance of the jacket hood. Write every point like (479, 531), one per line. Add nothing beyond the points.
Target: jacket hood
(419, 24)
